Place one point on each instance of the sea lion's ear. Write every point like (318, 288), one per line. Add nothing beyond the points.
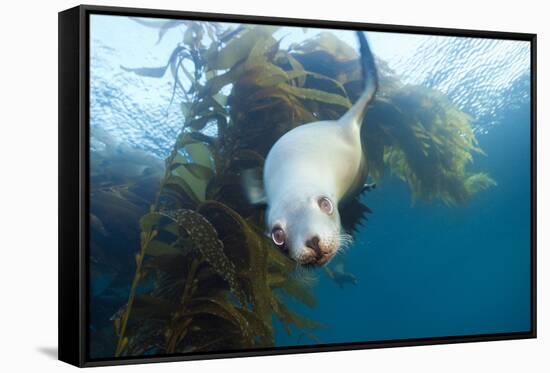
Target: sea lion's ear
(253, 186)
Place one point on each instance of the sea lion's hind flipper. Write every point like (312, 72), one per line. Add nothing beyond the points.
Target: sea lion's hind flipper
(368, 67)
(253, 186)
(355, 115)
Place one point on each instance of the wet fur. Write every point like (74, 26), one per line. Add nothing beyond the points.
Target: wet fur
(320, 159)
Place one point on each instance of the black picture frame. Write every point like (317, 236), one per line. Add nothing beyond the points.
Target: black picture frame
(74, 181)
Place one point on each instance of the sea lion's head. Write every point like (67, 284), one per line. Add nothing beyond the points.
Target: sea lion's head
(306, 227)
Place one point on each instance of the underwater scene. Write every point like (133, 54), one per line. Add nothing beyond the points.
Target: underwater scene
(222, 219)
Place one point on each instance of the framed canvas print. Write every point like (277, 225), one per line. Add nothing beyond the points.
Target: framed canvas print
(238, 186)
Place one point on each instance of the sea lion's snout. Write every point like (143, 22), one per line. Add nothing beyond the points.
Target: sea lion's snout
(317, 252)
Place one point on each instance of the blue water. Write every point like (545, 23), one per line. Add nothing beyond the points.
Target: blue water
(423, 271)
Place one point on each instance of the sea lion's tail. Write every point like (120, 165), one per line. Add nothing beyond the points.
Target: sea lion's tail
(356, 113)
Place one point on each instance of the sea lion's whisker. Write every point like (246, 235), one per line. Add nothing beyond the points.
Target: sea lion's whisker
(297, 268)
(307, 277)
(346, 240)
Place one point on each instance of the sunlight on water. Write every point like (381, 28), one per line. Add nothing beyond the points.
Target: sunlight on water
(137, 110)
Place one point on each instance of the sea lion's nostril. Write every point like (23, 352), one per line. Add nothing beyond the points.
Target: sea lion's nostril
(313, 243)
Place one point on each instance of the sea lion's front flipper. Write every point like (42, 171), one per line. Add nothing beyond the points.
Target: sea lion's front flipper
(253, 186)
(353, 214)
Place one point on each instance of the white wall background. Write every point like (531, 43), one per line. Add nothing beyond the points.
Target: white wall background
(28, 184)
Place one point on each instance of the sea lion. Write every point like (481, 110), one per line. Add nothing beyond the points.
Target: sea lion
(309, 172)
(340, 276)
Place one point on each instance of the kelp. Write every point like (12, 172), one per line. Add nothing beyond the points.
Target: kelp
(207, 278)
(210, 273)
(426, 142)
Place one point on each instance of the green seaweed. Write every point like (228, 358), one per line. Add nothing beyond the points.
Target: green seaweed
(214, 280)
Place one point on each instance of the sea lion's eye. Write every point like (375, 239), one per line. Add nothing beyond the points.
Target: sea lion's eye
(278, 236)
(325, 205)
